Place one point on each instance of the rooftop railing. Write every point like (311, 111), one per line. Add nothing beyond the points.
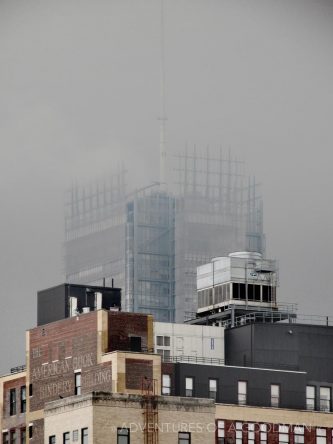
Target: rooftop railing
(18, 369)
(221, 362)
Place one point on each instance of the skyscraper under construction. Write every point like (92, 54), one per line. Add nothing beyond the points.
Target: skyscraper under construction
(150, 241)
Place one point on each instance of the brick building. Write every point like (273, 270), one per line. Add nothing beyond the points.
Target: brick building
(102, 363)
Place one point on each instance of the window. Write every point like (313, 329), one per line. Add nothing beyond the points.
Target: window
(213, 388)
(239, 432)
(135, 343)
(325, 399)
(84, 436)
(78, 383)
(123, 436)
(163, 341)
(30, 390)
(239, 291)
(75, 436)
(266, 293)
(263, 433)
(189, 387)
(275, 395)
(12, 402)
(242, 392)
(310, 397)
(31, 431)
(283, 434)
(184, 438)
(23, 399)
(321, 436)
(212, 343)
(13, 437)
(164, 353)
(166, 385)
(52, 439)
(5, 438)
(220, 432)
(66, 438)
(250, 433)
(23, 436)
(299, 435)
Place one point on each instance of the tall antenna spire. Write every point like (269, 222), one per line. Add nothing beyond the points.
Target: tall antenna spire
(163, 117)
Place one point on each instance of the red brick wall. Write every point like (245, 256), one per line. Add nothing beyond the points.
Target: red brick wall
(123, 325)
(272, 433)
(56, 351)
(136, 370)
(18, 420)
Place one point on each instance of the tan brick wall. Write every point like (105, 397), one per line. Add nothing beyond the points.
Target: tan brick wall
(67, 419)
(108, 417)
(104, 413)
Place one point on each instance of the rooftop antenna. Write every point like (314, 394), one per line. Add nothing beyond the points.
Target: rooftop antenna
(163, 117)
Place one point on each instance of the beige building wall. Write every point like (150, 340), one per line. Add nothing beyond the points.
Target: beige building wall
(103, 413)
(74, 413)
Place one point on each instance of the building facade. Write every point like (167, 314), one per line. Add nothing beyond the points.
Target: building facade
(189, 343)
(99, 375)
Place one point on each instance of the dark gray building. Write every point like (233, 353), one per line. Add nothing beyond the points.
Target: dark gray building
(65, 300)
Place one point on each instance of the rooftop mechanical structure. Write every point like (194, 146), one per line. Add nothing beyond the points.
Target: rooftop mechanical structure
(239, 289)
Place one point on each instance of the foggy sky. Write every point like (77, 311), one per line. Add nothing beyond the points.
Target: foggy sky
(80, 93)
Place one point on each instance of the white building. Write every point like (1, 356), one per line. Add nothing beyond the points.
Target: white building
(189, 343)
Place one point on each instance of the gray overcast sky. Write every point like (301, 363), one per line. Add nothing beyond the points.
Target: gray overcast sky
(79, 85)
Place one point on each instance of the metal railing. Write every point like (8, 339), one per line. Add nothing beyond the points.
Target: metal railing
(193, 359)
(219, 362)
(18, 369)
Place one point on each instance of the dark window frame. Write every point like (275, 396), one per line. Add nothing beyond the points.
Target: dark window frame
(23, 398)
(211, 391)
(23, 435)
(168, 388)
(184, 439)
(275, 400)
(84, 434)
(12, 402)
(12, 436)
(78, 387)
(312, 399)
(324, 401)
(193, 385)
(123, 435)
(240, 402)
(66, 437)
